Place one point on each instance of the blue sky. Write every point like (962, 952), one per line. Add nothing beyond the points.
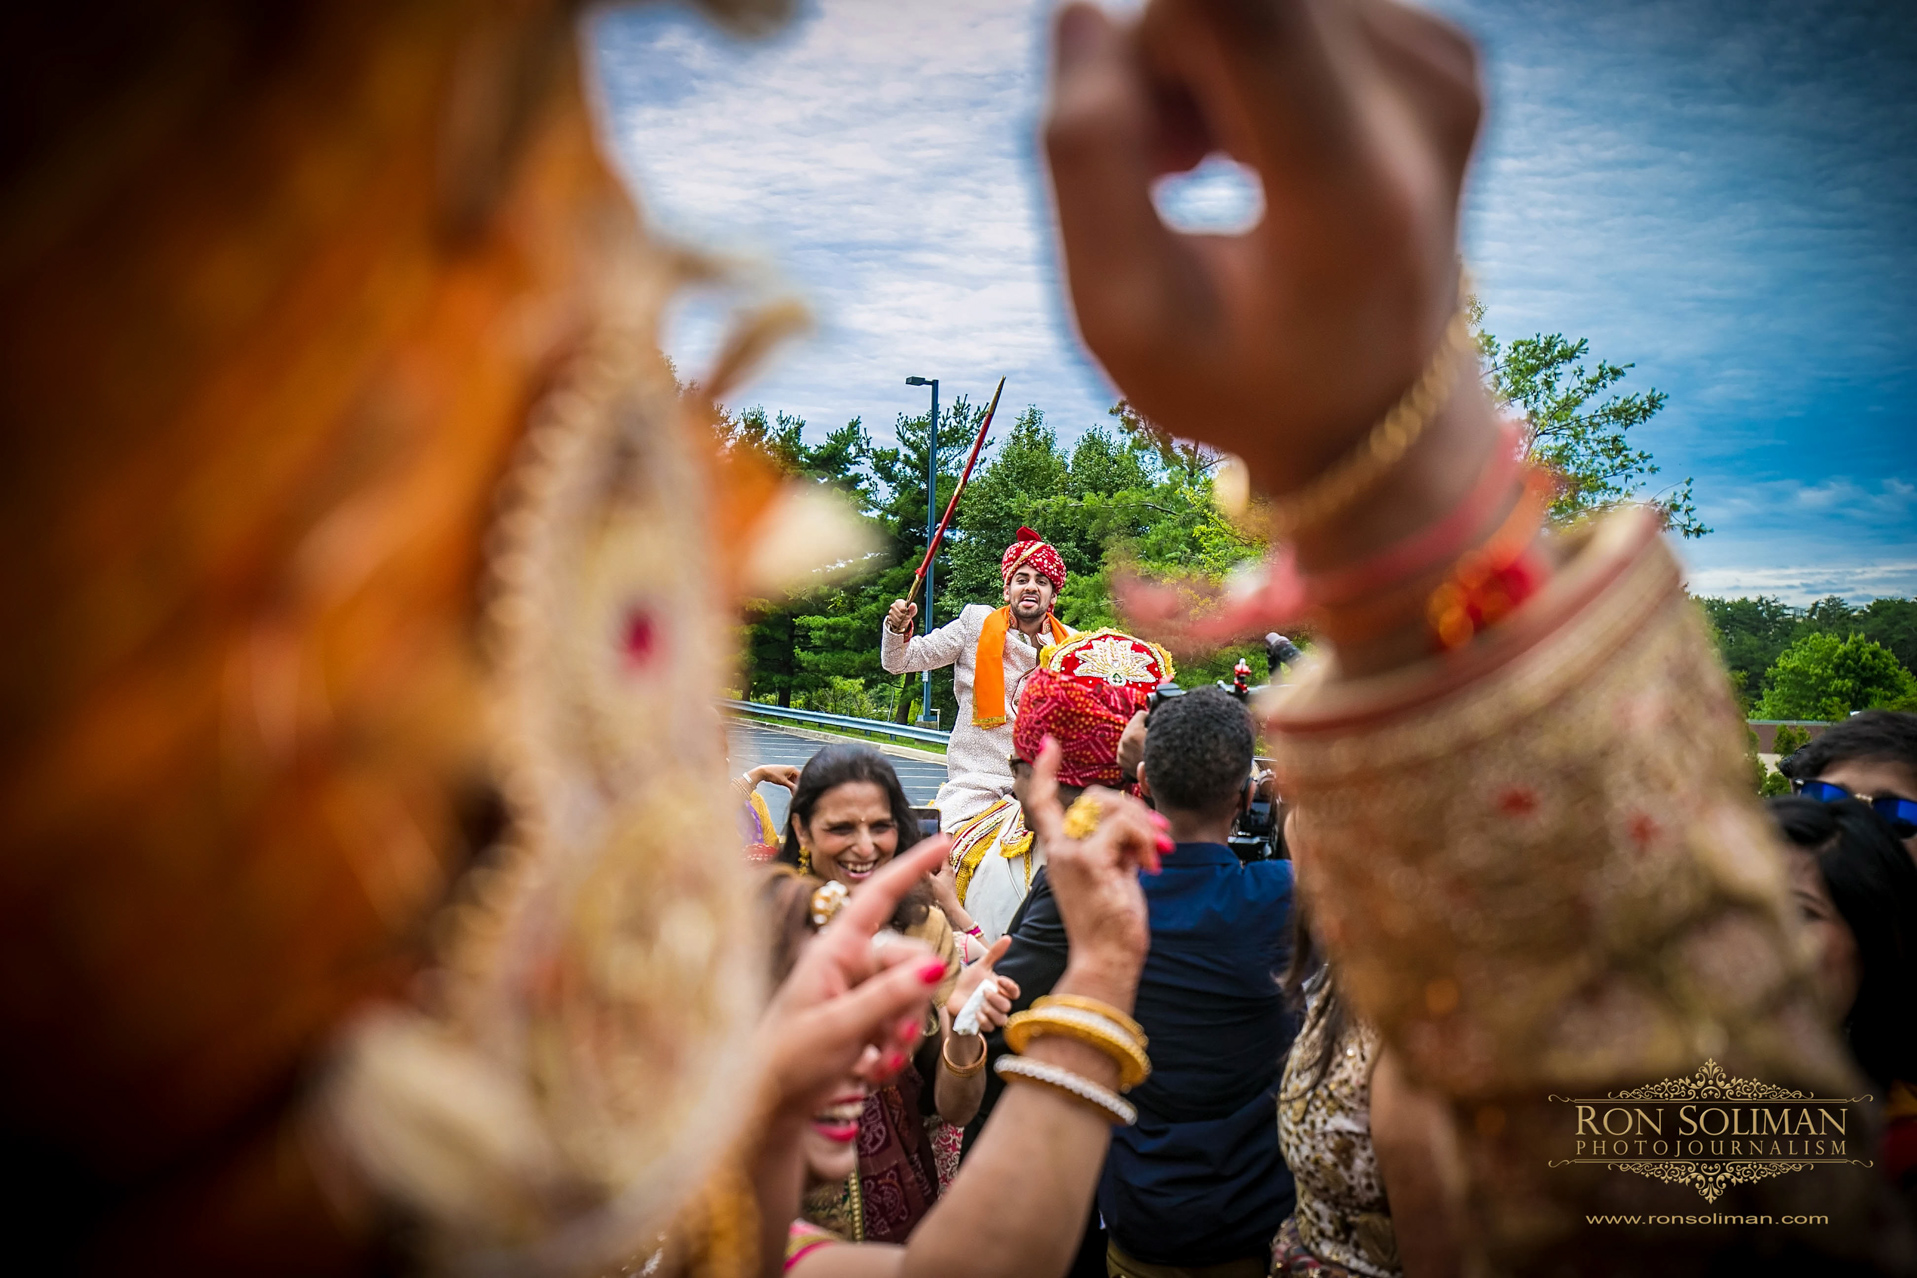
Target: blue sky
(1723, 193)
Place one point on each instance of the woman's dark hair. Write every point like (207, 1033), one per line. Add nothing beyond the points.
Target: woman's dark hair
(1305, 962)
(1873, 884)
(838, 765)
(787, 898)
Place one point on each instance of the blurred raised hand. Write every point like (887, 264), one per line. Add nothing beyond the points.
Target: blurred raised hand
(1285, 343)
(777, 773)
(1095, 877)
(853, 989)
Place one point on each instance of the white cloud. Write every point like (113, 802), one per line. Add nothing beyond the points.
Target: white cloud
(1802, 585)
(882, 155)
(1839, 505)
(1717, 190)
(1219, 197)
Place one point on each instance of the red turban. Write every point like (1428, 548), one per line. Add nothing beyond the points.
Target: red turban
(1083, 693)
(1033, 551)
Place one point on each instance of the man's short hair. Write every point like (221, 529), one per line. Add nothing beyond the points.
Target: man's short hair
(1198, 751)
(1876, 735)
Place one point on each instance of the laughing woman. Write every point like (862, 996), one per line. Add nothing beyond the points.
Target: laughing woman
(848, 817)
(851, 1169)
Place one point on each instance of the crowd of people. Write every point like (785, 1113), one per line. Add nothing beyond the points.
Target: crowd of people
(368, 887)
(1275, 1133)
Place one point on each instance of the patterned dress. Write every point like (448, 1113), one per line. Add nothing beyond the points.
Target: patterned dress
(1342, 1224)
(906, 1157)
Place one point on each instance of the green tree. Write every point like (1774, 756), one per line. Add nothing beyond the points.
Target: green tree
(1830, 616)
(1789, 739)
(1822, 676)
(1751, 635)
(1009, 488)
(1578, 426)
(798, 646)
(1893, 623)
(900, 472)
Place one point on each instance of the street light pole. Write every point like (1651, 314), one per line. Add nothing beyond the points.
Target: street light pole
(931, 523)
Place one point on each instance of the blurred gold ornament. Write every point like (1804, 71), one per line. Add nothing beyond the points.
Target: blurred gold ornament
(827, 900)
(1082, 818)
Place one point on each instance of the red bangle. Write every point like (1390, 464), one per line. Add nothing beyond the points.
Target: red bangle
(1427, 548)
(1487, 583)
(1360, 600)
(1477, 589)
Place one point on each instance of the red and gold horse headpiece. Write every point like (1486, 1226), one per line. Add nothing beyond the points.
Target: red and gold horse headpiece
(1083, 693)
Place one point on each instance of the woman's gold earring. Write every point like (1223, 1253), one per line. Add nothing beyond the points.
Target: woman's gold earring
(805, 859)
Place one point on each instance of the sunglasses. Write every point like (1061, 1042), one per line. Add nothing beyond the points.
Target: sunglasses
(1900, 814)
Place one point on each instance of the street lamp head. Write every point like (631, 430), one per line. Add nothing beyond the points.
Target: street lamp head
(917, 381)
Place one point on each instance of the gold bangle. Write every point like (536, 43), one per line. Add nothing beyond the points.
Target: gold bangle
(1094, 1005)
(1383, 447)
(1090, 1028)
(963, 1071)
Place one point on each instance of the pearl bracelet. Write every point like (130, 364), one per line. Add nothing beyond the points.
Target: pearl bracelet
(1077, 1086)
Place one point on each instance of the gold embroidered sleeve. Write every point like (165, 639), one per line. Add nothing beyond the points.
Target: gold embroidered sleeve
(1539, 867)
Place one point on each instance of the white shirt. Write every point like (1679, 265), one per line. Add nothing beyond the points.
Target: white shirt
(996, 857)
(976, 771)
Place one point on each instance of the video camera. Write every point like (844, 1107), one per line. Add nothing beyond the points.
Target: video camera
(1259, 833)
(1279, 651)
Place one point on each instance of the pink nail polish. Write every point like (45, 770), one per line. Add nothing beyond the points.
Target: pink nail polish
(1164, 844)
(1158, 819)
(933, 972)
(894, 1062)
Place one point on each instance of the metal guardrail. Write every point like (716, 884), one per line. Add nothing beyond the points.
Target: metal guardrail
(846, 722)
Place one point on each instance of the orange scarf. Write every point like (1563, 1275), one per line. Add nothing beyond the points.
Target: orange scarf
(988, 666)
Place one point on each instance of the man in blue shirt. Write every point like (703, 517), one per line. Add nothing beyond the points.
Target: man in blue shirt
(1197, 1186)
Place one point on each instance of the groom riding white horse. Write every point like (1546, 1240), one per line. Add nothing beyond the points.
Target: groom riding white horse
(992, 652)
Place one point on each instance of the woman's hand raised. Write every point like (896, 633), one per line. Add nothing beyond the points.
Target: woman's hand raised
(1283, 344)
(1094, 876)
(856, 999)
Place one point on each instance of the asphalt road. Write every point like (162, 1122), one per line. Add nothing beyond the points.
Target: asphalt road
(752, 744)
